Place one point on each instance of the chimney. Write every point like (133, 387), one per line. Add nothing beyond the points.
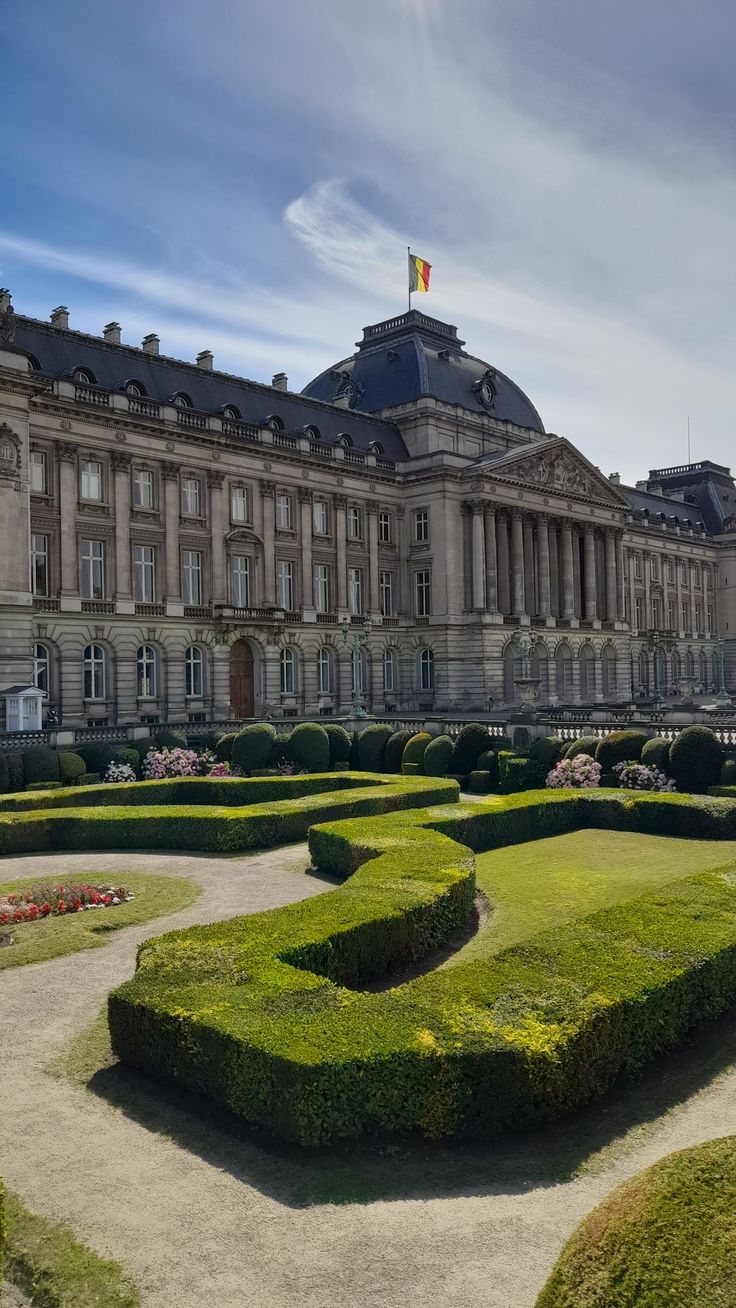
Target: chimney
(206, 359)
(614, 478)
(60, 317)
(280, 381)
(149, 344)
(5, 298)
(111, 333)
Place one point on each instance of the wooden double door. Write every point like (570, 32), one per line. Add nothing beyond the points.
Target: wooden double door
(241, 679)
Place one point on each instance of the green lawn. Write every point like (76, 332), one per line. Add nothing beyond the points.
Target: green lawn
(35, 942)
(546, 882)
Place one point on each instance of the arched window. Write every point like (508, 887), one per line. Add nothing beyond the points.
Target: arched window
(231, 413)
(94, 672)
(83, 377)
(425, 669)
(146, 672)
(608, 668)
(690, 665)
(134, 387)
(563, 672)
(389, 671)
(703, 669)
(644, 672)
(193, 672)
(586, 659)
(312, 432)
(41, 663)
(676, 667)
(511, 670)
(539, 664)
(287, 665)
(275, 422)
(324, 671)
(182, 401)
(345, 440)
(375, 447)
(33, 362)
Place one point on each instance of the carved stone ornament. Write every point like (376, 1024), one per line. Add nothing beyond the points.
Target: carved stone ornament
(68, 452)
(558, 470)
(485, 389)
(7, 319)
(215, 479)
(121, 462)
(9, 452)
(170, 471)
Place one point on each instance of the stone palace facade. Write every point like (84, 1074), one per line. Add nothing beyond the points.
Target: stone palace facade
(179, 544)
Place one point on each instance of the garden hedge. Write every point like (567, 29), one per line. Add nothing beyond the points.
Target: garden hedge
(40, 764)
(437, 756)
(546, 751)
(583, 745)
(15, 770)
(72, 766)
(470, 742)
(281, 751)
(394, 750)
(696, 758)
(263, 1013)
(517, 773)
(224, 747)
(372, 742)
(488, 762)
(4, 775)
(252, 746)
(99, 754)
(310, 747)
(169, 738)
(656, 753)
(414, 749)
(339, 740)
(619, 747)
(728, 772)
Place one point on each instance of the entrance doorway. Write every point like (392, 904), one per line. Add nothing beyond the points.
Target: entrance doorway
(241, 679)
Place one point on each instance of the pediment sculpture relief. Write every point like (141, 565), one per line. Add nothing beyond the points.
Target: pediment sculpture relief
(558, 470)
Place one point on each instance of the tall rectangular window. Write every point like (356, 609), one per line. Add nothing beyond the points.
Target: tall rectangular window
(240, 504)
(283, 512)
(355, 590)
(385, 534)
(285, 584)
(319, 517)
(355, 523)
(240, 574)
(637, 565)
(698, 619)
(93, 569)
(637, 613)
(685, 616)
(191, 576)
(670, 570)
(423, 593)
(322, 587)
(191, 497)
(421, 525)
(655, 615)
(40, 564)
(710, 619)
(91, 479)
(39, 481)
(386, 587)
(670, 614)
(142, 488)
(144, 574)
(653, 567)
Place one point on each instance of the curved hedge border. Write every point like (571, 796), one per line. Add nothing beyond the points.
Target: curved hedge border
(180, 814)
(257, 1013)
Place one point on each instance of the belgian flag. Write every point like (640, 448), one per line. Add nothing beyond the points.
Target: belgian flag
(419, 271)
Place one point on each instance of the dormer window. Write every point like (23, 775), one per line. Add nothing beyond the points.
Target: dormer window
(275, 423)
(230, 413)
(312, 432)
(375, 447)
(182, 401)
(134, 388)
(83, 377)
(345, 440)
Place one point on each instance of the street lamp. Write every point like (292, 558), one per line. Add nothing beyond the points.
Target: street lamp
(654, 649)
(723, 694)
(359, 635)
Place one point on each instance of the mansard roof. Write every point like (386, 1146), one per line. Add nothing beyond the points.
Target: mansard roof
(58, 351)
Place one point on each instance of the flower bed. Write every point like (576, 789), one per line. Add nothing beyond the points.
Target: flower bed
(38, 902)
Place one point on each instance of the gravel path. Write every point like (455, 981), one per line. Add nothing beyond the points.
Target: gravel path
(200, 1214)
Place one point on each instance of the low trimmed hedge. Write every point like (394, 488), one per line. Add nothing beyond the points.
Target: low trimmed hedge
(516, 773)
(262, 1013)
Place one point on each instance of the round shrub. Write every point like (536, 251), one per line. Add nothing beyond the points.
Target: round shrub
(547, 750)
(310, 747)
(71, 767)
(472, 741)
(127, 757)
(354, 751)
(206, 743)
(414, 749)
(99, 754)
(728, 772)
(4, 775)
(583, 745)
(40, 764)
(224, 748)
(339, 740)
(169, 738)
(696, 759)
(619, 747)
(437, 756)
(14, 761)
(252, 746)
(281, 750)
(667, 1237)
(656, 753)
(372, 743)
(394, 750)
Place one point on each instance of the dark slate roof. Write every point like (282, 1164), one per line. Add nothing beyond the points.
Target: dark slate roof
(405, 358)
(59, 351)
(647, 501)
(708, 488)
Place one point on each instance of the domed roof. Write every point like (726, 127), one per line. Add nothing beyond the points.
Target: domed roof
(405, 358)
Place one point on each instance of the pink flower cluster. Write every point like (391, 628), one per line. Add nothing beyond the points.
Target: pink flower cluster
(580, 772)
(162, 763)
(221, 770)
(57, 900)
(637, 776)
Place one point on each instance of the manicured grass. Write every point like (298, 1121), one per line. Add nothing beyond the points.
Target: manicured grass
(55, 1270)
(664, 1239)
(36, 942)
(545, 883)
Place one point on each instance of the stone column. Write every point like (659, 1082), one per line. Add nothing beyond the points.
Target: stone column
(170, 474)
(543, 563)
(341, 505)
(215, 481)
(491, 561)
(374, 604)
(68, 508)
(620, 578)
(632, 589)
(554, 571)
(577, 596)
(478, 555)
(504, 589)
(679, 625)
(269, 544)
(529, 589)
(566, 569)
(305, 513)
(121, 464)
(590, 582)
(647, 590)
(691, 597)
(517, 563)
(611, 587)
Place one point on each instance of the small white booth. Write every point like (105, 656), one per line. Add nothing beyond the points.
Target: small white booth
(23, 708)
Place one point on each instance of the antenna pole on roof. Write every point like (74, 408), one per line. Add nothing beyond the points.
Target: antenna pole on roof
(688, 438)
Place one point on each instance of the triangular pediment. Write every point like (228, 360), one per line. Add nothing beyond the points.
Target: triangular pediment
(557, 468)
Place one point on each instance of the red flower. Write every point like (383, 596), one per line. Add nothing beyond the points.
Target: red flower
(32, 912)
(12, 899)
(4, 919)
(45, 909)
(61, 906)
(107, 899)
(18, 915)
(76, 905)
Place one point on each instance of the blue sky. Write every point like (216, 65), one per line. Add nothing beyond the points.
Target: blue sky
(245, 177)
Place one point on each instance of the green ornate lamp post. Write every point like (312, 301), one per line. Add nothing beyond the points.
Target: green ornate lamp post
(357, 637)
(723, 694)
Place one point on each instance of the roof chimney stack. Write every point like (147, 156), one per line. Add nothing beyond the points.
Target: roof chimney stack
(614, 478)
(111, 333)
(206, 359)
(60, 317)
(150, 343)
(280, 381)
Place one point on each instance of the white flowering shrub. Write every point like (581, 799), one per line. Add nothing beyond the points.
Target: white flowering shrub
(637, 776)
(580, 772)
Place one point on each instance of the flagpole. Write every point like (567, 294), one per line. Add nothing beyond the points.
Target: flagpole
(408, 259)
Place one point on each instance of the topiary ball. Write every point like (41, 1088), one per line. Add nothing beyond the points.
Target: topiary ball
(14, 761)
(394, 750)
(437, 756)
(310, 747)
(583, 745)
(372, 741)
(72, 766)
(339, 740)
(281, 750)
(414, 750)
(472, 741)
(656, 753)
(546, 750)
(224, 748)
(252, 746)
(169, 738)
(40, 764)
(619, 747)
(696, 758)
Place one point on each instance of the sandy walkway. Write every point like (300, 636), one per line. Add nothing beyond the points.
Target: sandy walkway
(200, 1214)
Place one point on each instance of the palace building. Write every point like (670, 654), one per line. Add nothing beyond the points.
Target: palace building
(180, 544)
